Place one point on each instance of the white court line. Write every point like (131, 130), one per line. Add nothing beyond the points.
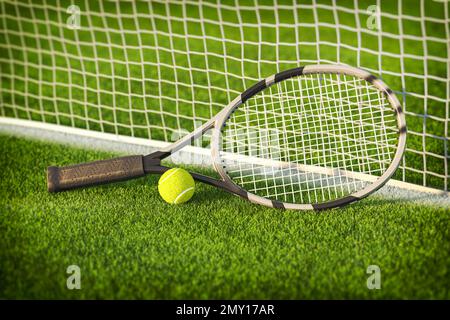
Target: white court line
(116, 143)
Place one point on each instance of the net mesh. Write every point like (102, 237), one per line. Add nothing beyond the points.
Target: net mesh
(160, 69)
(306, 139)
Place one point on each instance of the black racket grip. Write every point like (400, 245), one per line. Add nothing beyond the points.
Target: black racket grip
(94, 173)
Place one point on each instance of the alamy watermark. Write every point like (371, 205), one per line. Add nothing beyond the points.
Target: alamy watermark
(74, 280)
(374, 20)
(374, 280)
(74, 20)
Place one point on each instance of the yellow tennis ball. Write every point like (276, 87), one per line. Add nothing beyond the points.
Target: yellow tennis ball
(176, 186)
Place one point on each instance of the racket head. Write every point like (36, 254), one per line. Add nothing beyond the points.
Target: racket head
(322, 115)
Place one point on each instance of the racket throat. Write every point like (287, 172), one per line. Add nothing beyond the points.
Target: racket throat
(152, 162)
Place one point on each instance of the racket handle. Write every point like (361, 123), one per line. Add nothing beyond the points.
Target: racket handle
(94, 173)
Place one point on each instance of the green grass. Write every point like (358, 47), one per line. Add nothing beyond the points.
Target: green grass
(130, 244)
(81, 78)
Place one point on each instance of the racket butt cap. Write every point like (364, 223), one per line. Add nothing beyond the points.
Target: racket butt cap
(52, 179)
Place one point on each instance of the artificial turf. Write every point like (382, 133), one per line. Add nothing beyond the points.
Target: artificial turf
(128, 243)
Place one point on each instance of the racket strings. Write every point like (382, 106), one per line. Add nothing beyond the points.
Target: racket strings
(310, 139)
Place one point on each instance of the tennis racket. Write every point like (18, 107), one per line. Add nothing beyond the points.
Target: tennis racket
(313, 137)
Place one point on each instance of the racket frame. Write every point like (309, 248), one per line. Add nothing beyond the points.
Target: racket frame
(221, 118)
